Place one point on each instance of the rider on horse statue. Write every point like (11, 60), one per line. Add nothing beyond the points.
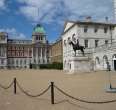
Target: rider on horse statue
(77, 46)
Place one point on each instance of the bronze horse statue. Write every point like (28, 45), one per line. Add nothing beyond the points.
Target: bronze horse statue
(77, 47)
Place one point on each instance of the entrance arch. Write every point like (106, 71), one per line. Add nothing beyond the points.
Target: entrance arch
(105, 62)
(114, 61)
(97, 63)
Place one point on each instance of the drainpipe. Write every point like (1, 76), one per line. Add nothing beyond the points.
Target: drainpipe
(111, 34)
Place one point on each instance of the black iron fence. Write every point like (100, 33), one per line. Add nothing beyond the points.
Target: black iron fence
(52, 87)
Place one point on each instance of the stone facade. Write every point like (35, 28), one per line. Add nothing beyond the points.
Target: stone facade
(103, 55)
(3, 49)
(91, 35)
(15, 53)
(56, 51)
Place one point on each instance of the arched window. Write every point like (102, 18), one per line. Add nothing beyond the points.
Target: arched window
(105, 58)
(105, 61)
(65, 42)
(97, 60)
(69, 40)
(114, 62)
(114, 56)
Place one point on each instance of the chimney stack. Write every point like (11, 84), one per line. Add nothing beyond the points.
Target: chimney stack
(106, 18)
(88, 19)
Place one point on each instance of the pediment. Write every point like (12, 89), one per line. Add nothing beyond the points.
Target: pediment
(67, 25)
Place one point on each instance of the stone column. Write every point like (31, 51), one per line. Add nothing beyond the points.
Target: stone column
(41, 61)
(32, 55)
(28, 58)
(36, 55)
(45, 55)
(39, 54)
(4, 52)
(1, 51)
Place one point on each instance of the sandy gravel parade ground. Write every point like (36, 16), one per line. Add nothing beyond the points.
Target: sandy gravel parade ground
(87, 86)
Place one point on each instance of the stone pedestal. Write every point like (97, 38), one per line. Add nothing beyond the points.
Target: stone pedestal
(79, 64)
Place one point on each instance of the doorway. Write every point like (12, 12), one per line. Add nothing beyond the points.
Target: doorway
(70, 66)
(115, 65)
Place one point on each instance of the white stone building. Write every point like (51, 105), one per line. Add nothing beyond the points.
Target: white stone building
(98, 38)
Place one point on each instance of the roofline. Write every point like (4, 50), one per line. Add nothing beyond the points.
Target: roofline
(60, 40)
(96, 23)
(36, 33)
(20, 39)
(87, 23)
(91, 22)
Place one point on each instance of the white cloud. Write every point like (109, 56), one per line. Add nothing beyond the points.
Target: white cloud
(59, 10)
(13, 33)
(43, 10)
(30, 12)
(2, 4)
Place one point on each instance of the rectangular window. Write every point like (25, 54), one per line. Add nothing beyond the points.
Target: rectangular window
(106, 42)
(85, 29)
(95, 30)
(2, 61)
(86, 43)
(96, 43)
(105, 29)
(36, 37)
(25, 61)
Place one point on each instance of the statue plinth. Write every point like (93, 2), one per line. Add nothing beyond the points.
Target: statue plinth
(79, 64)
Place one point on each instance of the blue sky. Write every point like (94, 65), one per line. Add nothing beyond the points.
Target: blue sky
(18, 17)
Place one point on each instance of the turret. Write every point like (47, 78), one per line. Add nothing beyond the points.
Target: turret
(39, 34)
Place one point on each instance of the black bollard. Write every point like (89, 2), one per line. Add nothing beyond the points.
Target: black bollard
(52, 92)
(15, 86)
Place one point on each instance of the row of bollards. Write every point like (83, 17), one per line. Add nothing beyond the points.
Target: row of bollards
(52, 90)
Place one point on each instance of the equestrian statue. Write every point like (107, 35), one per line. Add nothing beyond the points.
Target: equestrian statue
(77, 47)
